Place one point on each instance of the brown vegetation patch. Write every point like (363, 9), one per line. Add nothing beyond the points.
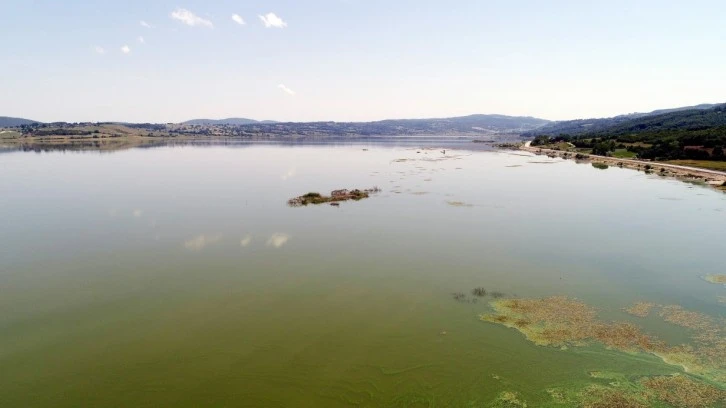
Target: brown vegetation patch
(682, 392)
(600, 397)
(715, 278)
(335, 196)
(640, 309)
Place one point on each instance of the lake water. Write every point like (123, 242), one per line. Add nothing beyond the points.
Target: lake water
(178, 276)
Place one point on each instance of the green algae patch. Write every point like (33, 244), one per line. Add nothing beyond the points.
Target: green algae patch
(564, 322)
(509, 399)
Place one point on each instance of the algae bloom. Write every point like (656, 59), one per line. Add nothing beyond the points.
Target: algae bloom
(560, 321)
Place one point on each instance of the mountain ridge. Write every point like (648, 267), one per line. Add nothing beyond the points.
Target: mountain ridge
(578, 127)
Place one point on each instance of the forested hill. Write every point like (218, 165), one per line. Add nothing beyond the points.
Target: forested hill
(709, 120)
(590, 126)
(698, 134)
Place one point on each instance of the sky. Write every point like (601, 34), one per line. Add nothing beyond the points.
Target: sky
(356, 60)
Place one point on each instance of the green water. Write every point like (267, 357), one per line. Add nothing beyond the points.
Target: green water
(178, 276)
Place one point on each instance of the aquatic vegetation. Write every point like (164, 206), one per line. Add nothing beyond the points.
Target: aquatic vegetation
(682, 392)
(509, 399)
(715, 278)
(563, 322)
(679, 391)
(479, 292)
(458, 204)
(640, 309)
(605, 397)
(556, 321)
(459, 296)
(496, 294)
(335, 196)
(601, 166)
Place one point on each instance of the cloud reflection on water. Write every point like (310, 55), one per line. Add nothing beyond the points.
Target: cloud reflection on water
(200, 242)
(278, 239)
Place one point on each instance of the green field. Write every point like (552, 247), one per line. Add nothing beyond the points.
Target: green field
(704, 164)
(623, 154)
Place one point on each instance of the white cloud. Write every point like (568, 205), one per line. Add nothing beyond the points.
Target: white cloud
(190, 19)
(145, 24)
(286, 89)
(141, 40)
(200, 242)
(237, 19)
(245, 241)
(100, 50)
(125, 49)
(278, 239)
(271, 20)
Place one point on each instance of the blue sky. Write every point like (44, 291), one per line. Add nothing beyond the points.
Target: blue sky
(356, 59)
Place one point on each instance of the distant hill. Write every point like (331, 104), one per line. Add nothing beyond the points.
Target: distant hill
(681, 120)
(590, 126)
(228, 121)
(472, 124)
(6, 121)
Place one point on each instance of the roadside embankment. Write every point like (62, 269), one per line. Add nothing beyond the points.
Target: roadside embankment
(711, 177)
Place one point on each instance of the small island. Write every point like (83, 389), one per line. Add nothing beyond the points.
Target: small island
(334, 198)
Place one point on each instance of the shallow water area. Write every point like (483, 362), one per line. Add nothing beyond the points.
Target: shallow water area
(179, 276)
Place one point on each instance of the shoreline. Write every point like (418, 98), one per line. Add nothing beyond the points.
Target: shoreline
(713, 178)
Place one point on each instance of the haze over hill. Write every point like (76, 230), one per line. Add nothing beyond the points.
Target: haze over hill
(228, 121)
(6, 121)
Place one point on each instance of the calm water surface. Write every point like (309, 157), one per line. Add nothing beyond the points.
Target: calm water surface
(178, 276)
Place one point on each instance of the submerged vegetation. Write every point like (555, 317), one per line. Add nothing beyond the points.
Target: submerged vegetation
(479, 292)
(476, 293)
(334, 198)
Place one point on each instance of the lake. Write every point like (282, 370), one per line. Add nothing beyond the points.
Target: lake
(179, 276)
